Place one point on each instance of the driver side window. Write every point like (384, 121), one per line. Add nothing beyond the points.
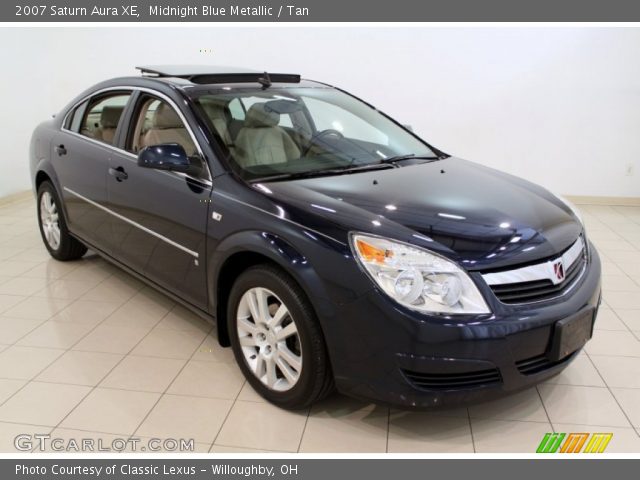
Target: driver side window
(156, 123)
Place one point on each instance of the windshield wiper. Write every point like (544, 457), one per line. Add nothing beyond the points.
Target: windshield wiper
(322, 173)
(408, 156)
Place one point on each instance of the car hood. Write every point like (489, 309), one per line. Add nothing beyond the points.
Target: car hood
(479, 216)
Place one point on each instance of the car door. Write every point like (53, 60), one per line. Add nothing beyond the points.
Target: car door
(80, 157)
(161, 216)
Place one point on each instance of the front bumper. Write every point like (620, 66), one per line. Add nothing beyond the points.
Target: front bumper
(385, 353)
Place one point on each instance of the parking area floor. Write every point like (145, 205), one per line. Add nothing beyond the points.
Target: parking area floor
(87, 351)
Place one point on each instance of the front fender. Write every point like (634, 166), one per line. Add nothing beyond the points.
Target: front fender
(277, 250)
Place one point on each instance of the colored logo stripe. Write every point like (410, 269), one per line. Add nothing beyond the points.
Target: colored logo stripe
(598, 442)
(550, 443)
(574, 443)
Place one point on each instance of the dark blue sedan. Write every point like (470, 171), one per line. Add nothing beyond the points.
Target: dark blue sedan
(332, 247)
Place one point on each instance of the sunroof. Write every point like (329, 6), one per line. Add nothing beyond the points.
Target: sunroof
(203, 74)
(188, 70)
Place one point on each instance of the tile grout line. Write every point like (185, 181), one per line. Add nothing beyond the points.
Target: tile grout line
(621, 320)
(612, 394)
(304, 428)
(226, 417)
(64, 350)
(237, 396)
(473, 440)
(30, 380)
(544, 407)
(620, 266)
(94, 387)
(388, 428)
(72, 301)
(15, 343)
(164, 392)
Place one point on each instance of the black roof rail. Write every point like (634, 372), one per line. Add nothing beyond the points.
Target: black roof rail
(202, 74)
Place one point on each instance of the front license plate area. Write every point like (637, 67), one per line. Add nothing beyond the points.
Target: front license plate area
(571, 334)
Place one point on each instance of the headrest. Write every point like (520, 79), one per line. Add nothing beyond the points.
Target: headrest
(214, 110)
(259, 115)
(110, 116)
(166, 117)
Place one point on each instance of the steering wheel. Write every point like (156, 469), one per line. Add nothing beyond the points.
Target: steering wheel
(319, 135)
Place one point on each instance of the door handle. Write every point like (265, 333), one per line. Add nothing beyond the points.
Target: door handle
(119, 173)
(60, 150)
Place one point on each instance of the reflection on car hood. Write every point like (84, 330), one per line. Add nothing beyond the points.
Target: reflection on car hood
(487, 218)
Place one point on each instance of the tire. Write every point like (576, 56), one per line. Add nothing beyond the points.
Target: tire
(53, 226)
(275, 372)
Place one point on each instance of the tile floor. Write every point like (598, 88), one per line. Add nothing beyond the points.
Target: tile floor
(86, 351)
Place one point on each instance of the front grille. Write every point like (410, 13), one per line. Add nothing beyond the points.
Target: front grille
(537, 290)
(453, 381)
(539, 363)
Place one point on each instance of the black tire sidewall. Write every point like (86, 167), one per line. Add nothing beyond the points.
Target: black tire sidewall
(313, 359)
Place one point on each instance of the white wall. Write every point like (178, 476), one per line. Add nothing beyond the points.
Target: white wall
(558, 106)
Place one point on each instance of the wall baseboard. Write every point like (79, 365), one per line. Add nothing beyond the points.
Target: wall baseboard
(611, 201)
(16, 197)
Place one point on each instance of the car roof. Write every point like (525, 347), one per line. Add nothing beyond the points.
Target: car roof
(217, 76)
(194, 79)
(190, 70)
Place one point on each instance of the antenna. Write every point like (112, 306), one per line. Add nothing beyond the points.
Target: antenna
(265, 81)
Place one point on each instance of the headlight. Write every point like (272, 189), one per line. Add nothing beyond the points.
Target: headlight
(417, 278)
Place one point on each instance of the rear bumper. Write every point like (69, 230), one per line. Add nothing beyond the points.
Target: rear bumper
(385, 353)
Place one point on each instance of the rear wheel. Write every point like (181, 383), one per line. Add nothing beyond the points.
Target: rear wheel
(277, 340)
(53, 227)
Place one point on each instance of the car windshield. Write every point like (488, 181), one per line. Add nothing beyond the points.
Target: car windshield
(279, 133)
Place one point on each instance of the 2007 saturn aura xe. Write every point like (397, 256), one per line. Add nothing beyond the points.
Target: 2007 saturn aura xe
(333, 247)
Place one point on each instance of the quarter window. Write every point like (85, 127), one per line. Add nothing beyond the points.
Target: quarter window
(74, 120)
(102, 117)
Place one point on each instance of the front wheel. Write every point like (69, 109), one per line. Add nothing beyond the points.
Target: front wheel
(53, 227)
(277, 340)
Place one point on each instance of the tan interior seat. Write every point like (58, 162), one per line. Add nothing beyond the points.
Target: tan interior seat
(216, 115)
(261, 141)
(109, 119)
(168, 128)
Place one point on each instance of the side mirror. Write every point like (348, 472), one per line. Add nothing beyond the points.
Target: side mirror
(408, 127)
(167, 156)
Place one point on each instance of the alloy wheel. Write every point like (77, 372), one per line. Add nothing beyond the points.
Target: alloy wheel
(269, 339)
(49, 220)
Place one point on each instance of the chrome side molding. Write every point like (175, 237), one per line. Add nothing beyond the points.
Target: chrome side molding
(135, 224)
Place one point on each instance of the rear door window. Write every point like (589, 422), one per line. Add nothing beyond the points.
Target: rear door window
(103, 115)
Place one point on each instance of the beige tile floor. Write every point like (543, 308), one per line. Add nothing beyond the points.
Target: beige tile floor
(86, 351)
